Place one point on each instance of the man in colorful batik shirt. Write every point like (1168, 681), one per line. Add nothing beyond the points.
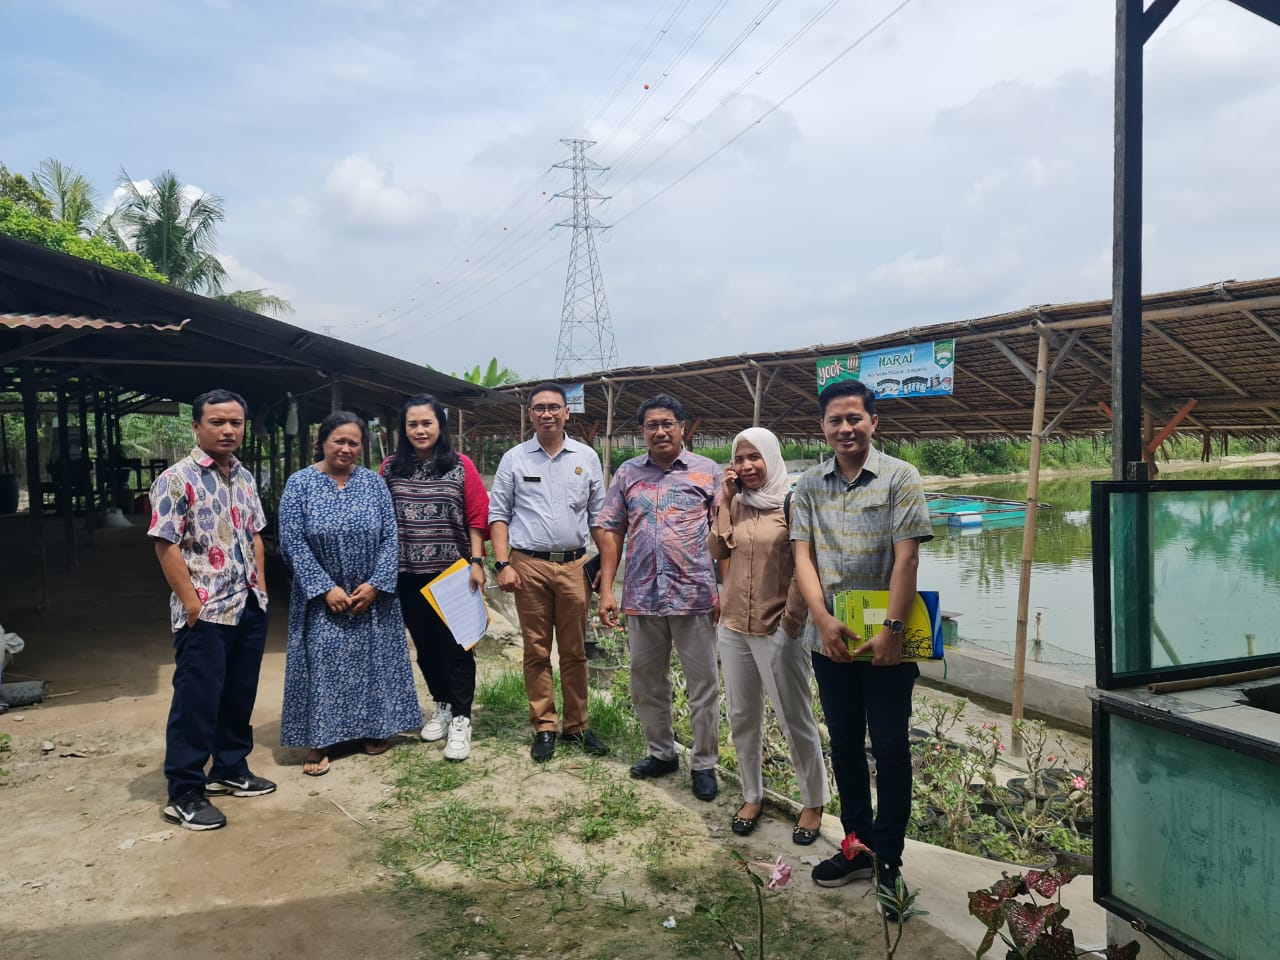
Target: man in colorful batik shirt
(660, 503)
(206, 521)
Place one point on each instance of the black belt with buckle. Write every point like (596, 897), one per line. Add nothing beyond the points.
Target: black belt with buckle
(555, 556)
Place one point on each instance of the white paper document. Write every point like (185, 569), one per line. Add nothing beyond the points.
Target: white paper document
(461, 608)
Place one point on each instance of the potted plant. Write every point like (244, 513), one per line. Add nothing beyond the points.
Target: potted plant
(609, 653)
(1031, 928)
(1034, 735)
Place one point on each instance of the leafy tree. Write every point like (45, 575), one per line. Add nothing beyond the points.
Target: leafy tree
(491, 376)
(24, 194)
(174, 232)
(258, 301)
(71, 196)
(18, 221)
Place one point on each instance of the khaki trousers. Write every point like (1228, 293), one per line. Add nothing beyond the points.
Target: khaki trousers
(694, 639)
(778, 666)
(553, 602)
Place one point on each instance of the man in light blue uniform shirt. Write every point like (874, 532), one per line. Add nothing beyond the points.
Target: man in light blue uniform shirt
(546, 496)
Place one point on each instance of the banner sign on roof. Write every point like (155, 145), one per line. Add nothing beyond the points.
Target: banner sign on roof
(575, 398)
(912, 370)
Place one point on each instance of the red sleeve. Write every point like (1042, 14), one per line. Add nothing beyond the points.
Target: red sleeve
(382, 470)
(475, 498)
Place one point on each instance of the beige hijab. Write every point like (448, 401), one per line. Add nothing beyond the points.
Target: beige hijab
(776, 484)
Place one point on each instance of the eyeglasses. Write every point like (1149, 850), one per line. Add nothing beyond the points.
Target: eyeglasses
(547, 408)
(653, 426)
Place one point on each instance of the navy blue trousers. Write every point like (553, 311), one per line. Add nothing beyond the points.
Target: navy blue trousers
(858, 698)
(215, 684)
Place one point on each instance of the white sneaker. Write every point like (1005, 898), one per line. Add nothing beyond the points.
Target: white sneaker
(438, 725)
(459, 745)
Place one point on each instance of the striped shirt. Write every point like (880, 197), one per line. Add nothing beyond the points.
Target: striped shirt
(853, 525)
(665, 516)
(435, 513)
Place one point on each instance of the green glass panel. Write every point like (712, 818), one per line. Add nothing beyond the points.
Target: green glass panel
(1195, 838)
(1195, 577)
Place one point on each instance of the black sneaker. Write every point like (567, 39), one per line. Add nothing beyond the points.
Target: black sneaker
(838, 870)
(887, 903)
(588, 741)
(194, 812)
(246, 785)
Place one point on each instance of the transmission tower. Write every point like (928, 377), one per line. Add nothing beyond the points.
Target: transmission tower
(586, 330)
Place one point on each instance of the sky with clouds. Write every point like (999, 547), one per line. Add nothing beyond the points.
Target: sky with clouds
(387, 165)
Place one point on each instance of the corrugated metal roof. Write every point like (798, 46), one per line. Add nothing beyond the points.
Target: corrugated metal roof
(63, 321)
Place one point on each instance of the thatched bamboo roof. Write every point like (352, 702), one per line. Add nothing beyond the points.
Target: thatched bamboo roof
(1218, 345)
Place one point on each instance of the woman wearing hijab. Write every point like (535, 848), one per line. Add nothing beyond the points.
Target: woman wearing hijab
(761, 616)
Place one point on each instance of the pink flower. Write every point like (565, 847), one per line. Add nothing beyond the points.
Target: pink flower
(851, 846)
(1079, 783)
(203, 594)
(780, 876)
(217, 559)
(1000, 747)
(1049, 759)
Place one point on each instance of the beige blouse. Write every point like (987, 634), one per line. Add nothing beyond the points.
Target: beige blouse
(760, 589)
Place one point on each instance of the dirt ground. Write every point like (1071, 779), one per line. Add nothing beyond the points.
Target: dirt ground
(89, 865)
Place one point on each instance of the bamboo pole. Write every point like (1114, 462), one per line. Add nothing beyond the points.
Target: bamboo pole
(1029, 540)
(610, 394)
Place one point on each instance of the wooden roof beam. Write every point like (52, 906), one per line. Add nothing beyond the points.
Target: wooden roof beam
(1199, 361)
(1262, 325)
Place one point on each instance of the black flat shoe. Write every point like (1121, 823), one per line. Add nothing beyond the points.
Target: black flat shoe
(704, 784)
(588, 741)
(651, 767)
(803, 836)
(544, 746)
(743, 826)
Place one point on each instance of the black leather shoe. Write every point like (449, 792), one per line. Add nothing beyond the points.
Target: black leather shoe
(588, 741)
(544, 746)
(653, 767)
(704, 784)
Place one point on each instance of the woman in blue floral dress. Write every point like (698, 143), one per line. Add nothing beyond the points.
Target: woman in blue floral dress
(347, 672)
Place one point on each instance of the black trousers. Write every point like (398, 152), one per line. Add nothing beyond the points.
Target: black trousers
(858, 698)
(449, 670)
(215, 684)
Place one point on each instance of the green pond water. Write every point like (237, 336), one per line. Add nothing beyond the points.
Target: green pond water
(977, 573)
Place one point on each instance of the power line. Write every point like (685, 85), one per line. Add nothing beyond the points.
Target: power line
(622, 84)
(764, 116)
(698, 31)
(671, 111)
(728, 98)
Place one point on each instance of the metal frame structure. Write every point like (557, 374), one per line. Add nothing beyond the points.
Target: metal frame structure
(586, 328)
(1136, 23)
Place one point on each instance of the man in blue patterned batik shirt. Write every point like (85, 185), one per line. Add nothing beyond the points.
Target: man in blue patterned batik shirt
(660, 503)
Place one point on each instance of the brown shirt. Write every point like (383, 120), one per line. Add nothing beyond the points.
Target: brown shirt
(760, 588)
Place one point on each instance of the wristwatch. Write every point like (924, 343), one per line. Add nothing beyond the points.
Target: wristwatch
(479, 560)
(897, 626)
(500, 565)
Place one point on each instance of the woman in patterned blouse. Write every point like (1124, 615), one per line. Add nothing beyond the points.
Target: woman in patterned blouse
(442, 512)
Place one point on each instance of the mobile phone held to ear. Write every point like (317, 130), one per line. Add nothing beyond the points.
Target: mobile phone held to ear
(737, 483)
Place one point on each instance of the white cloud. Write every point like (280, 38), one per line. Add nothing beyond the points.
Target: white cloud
(364, 195)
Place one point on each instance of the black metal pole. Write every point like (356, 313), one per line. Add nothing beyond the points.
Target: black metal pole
(1126, 258)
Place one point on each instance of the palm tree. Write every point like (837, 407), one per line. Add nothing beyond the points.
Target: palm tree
(175, 232)
(70, 194)
(258, 301)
